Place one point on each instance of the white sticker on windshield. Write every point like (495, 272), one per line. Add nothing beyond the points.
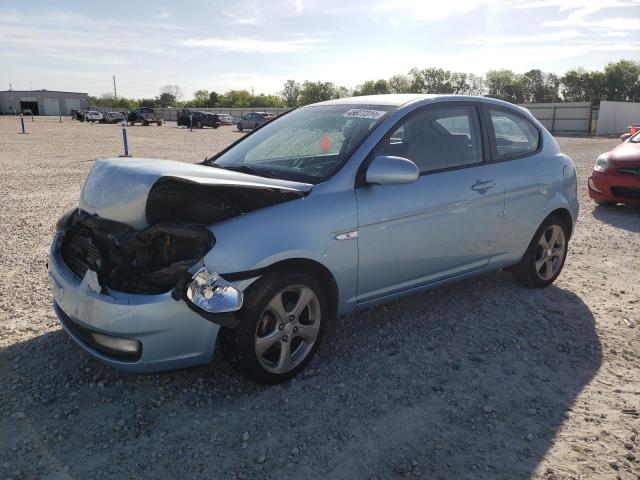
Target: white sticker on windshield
(363, 113)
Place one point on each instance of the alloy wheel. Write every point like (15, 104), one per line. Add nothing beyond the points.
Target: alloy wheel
(550, 252)
(287, 329)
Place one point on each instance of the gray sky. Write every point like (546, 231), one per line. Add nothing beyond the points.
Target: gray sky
(220, 45)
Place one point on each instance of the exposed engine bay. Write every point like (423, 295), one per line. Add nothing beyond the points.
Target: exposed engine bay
(148, 261)
(143, 223)
(154, 259)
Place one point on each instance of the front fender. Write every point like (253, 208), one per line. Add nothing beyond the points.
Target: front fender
(305, 228)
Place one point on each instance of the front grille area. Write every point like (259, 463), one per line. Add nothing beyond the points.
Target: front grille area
(630, 171)
(626, 192)
(79, 253)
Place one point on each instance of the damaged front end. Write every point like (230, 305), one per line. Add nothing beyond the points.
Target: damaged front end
(148, 261)
(143, 226)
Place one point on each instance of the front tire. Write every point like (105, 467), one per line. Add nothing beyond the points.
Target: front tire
(281, 325)
(239, 126)
(544, 259)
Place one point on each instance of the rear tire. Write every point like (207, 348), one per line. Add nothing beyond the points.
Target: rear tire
(544, 259)
(199, 124)
(283, 317)
(239, 126)
(159, 123)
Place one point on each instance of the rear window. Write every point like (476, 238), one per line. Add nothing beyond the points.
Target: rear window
(514, 135)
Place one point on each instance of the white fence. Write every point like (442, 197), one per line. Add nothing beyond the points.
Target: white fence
(568, 118)
(615, 117)
(561, 118)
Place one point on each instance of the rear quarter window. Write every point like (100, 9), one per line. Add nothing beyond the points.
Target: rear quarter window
(515, 136)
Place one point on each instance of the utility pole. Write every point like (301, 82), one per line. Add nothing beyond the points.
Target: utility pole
(115, 93)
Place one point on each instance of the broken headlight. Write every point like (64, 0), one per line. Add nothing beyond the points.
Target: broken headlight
(212, 293)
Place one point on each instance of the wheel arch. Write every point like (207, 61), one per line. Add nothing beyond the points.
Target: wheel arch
(565, 215)
(317, 270)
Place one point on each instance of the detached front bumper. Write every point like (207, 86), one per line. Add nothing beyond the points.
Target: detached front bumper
(169, 333)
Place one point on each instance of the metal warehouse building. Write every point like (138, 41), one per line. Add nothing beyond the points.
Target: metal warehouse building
(41, 102)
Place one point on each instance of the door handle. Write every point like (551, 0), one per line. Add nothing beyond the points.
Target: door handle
(483, 185)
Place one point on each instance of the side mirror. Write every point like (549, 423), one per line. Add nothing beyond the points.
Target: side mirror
(387, 170)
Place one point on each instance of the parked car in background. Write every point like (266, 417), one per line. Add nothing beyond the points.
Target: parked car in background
(113, 117)
(631, 131)
(616, 174)
(225, 119)
(332, 208)
(92, 116)
(254, 120)
(27, 111)
(197, 119)
(144, 116)
(78, 115)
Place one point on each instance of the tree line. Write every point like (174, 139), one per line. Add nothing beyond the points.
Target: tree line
(618, 81)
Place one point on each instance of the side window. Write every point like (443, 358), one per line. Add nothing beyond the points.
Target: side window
(436, 138)
(514, 135)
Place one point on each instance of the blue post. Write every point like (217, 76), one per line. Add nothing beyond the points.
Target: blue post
(22, 123)
(124, 137)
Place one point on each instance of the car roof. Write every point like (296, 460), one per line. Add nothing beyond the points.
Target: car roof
(392, 99)
(401, 99)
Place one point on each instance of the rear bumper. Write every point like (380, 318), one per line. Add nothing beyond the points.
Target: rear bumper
(170, 334)
(611, 186)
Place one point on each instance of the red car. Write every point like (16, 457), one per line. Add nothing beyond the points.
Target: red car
(616, 174)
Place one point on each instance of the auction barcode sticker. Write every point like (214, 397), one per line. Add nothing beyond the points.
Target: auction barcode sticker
(363, 113)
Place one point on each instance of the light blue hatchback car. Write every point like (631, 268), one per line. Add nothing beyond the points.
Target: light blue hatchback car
(333, 207)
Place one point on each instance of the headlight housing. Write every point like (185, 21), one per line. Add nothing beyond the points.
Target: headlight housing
(212, 293)
(602, 163)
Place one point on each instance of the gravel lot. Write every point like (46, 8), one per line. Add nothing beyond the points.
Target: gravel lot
(483, 379)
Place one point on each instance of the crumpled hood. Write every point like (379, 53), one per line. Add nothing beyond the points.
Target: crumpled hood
(118, 188)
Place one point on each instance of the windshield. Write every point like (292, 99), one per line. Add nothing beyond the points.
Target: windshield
(635, 138)
(308, 144)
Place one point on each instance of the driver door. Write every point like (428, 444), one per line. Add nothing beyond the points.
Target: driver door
(444, 224)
